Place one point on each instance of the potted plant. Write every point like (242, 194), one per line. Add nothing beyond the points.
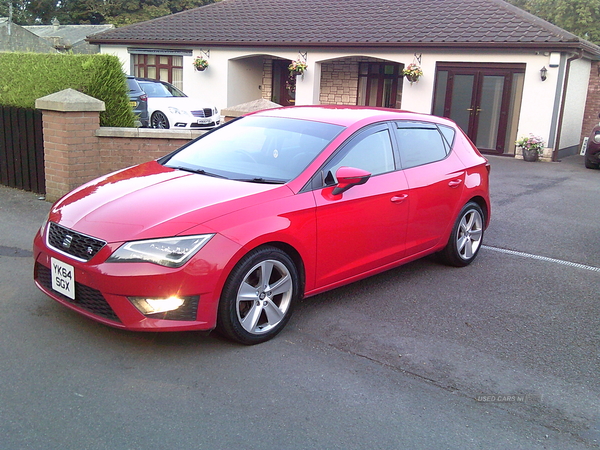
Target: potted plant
(297, 67)
(412, 72)
(200, 64)
(532, 147)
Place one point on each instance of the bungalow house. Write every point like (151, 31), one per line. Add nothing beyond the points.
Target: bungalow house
(496, 70)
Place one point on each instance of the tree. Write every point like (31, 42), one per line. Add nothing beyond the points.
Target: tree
(117, 12)
(580, 17)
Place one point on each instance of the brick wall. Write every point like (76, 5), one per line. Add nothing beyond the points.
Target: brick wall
(77, 150)
(339, 82)
(592, 106)
(120, 148)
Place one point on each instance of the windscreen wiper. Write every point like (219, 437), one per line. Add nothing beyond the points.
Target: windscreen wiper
(260, 180)
(198, 171)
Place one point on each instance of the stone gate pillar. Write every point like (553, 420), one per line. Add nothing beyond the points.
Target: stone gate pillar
(71, 153)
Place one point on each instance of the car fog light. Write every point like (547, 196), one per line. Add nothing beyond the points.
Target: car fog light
(156, 305)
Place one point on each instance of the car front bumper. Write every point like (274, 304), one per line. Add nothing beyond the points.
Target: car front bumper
(103, 291)
(197, 124)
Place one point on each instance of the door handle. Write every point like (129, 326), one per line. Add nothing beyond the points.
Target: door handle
(399, 198)
(455, 183)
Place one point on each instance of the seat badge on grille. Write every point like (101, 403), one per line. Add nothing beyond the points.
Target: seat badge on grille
(66, 243)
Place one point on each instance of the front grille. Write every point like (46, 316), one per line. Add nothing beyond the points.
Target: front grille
(206, 112)
(73, 243)
(86, 298)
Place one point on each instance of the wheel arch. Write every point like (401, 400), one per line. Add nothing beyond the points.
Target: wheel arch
(485, 207)
(294, 255)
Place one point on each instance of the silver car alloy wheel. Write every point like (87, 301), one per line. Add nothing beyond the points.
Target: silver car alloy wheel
(469, 234)
(264, 296)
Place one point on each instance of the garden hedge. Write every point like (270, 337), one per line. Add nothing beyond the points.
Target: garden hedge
(25, 77)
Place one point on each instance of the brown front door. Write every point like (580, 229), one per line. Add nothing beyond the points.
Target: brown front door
(284, 84)
(483, 100)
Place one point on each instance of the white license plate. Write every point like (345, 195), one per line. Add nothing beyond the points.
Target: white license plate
(203, 121)
(63, 278)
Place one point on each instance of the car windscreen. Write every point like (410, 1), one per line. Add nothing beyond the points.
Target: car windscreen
(257, 149)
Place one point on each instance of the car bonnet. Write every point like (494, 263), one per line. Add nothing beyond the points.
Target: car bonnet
(150, 201)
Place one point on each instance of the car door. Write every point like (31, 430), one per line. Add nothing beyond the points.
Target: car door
(364, 227)
(435, 177)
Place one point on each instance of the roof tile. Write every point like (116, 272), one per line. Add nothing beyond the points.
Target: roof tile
(348, 22)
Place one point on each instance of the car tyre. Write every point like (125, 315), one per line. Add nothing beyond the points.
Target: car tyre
(466, 237)
(258, 296)
(591, 165)
(159, 120)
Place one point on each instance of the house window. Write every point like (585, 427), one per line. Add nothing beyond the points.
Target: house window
(380, 84)
(159, 67)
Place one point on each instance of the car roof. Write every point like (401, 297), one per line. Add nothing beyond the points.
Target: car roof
(348, 115)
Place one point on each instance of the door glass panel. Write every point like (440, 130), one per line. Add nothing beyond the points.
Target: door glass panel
(513, 112)
(373, 92)
(398, 104)
(387, 93)
(362, 91)
(488, 112)
(461, 100)
(440, 93)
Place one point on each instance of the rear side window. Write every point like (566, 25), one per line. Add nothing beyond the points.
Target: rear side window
(422, 143)
(133, 86)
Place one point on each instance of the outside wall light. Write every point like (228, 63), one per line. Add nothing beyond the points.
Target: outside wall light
(543, 73)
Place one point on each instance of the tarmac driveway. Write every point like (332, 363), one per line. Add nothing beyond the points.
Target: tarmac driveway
(501, 354)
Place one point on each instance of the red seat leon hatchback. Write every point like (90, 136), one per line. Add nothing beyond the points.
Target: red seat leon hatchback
(232, 229)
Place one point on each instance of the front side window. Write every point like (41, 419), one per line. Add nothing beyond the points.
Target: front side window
(371, 152)
(422, 143)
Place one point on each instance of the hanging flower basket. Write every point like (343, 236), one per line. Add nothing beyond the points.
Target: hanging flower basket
(297, 67)
(200, 64)
(412, 72)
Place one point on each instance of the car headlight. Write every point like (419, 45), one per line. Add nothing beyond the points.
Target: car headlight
(182, 112)
(168, 252)
(43, 225)
(597, 138)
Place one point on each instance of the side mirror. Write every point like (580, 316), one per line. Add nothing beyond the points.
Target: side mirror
(348, 177)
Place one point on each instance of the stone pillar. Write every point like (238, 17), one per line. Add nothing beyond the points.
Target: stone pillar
(71, 150)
